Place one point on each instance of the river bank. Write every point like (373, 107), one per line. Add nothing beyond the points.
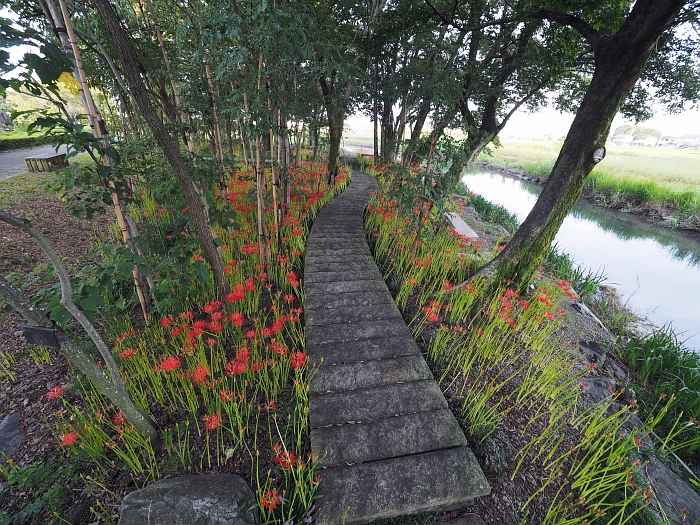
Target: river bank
(633, 201)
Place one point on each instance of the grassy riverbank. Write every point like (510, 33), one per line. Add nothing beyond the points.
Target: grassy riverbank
(663, 183)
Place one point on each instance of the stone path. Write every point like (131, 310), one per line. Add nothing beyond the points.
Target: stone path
(389, 444)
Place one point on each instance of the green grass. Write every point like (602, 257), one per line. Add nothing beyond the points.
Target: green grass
(627, 176)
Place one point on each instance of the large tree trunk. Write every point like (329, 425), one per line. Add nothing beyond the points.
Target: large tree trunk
(619, 62)
(132, 71)
(335, 134)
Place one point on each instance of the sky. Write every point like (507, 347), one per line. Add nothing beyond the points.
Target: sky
(549, 121)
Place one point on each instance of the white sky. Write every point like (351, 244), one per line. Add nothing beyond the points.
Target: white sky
(549, 121)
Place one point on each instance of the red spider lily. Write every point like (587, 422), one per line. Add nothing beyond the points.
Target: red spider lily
(238, 319)
(270, 405)
(243, 354)
(285, 458)
(212, 421)
(176, 331)
(211, 341)
(227, 395)
(212, 307)
(289, 298)
(216, 327)
(236, 367)
(201, 325)
(166, 321)
(119, 419)
(237, 295)
(271, 500)
(298, 359)
(119, 340)
(278, 348)
(199, 376)
(169, 364)
(217, 316)
(447, 286)
(250, 334)
(433, 317)
(292, 279)
(127, 353)
(69, 439)
(189, 315)
(257, 365)
(55, 392)
(249, 285)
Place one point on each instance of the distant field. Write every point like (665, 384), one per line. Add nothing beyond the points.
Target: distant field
(678, 170)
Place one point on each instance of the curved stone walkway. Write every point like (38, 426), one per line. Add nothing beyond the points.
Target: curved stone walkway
(388, 441)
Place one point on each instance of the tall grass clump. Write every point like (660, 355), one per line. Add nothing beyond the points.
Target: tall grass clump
(665, 367)
(489, 211)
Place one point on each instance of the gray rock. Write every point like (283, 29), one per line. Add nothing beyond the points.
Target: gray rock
(10, 435)
(210, 499)
(641, 329)
(673, 496)
(595, 352)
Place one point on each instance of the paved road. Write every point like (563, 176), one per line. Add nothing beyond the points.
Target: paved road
(12, 162)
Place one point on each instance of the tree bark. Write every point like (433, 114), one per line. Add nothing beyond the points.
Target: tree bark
(619, 62)
(132, 71)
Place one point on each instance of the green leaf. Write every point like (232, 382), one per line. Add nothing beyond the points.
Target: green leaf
(88, 304)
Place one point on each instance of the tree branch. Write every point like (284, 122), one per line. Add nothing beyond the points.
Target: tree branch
(584, 28)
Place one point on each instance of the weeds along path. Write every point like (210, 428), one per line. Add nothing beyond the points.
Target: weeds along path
(389, 444)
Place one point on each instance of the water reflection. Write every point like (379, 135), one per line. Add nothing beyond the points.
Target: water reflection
(656, 269)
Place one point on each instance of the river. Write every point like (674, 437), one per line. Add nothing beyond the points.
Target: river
(656, 270)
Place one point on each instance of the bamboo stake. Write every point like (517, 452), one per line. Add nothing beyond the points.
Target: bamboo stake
(101, 134)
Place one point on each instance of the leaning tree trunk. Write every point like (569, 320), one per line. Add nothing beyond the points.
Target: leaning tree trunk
(619, 63)
(132, 71)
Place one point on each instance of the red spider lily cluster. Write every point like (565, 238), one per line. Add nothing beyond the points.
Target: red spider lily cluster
(230, 364)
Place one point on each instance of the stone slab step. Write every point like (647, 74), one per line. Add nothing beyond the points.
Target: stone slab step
(322, 250)
(345, 287)
(434, 481)
(366, 374)
(370, 404)
(387, 438)
(340, 266)
(331, 333)
(350, 314)
(347, 275)
(348, 299)
(364, 350)
(332, 259)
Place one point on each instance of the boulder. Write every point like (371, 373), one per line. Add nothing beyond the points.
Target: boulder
(10, 435)
(210, 499)
(673, 497)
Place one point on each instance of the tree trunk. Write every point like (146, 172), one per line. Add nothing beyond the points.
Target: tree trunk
(619, 63)
(132, 71)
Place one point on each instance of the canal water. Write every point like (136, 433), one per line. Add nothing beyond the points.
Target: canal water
(655, 270)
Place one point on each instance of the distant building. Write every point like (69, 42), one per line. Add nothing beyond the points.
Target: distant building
(667, 141)
(689, 141)
(645, 140)
(622, 140)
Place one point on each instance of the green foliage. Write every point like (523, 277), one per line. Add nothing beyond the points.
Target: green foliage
(46, 482)
(489, 211)
(8, 143)
(666, 367)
